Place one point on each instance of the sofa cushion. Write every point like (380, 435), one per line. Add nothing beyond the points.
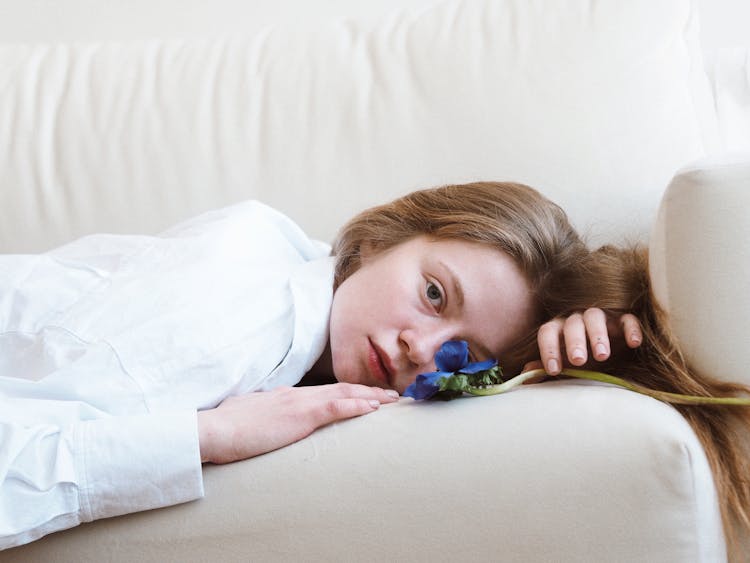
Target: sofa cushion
(597, 105)
(728, 71)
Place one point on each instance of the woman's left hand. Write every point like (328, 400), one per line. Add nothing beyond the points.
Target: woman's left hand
(248, 425)
(572, 340)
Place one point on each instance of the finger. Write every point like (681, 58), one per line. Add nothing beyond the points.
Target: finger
(356, 391)
(631, 328)
(548, 339)
(574, 332)
(596, 329)
(343, 408)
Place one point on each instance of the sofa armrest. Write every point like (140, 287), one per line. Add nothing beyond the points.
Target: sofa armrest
(563, 471)
(699, 261)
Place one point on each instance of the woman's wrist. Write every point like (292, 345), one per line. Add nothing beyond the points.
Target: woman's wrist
(207, 435)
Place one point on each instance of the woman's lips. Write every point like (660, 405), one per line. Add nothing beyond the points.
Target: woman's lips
(378, 363)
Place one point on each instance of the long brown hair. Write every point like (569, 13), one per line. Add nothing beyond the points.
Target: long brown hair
(566, 277)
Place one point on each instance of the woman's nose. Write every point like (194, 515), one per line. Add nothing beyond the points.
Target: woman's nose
(422, 345)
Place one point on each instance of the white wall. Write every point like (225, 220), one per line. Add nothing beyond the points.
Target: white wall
(725, 23)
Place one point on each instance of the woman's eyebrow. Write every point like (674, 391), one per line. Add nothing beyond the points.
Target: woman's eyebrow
(455, 284)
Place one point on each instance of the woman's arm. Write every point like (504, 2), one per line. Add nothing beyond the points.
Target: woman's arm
(57, 474)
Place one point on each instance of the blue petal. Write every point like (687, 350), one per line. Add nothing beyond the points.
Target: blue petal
(452, 356)
(426, 385)
(476, 367)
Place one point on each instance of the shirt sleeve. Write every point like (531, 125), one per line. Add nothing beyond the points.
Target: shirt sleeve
(55, 478)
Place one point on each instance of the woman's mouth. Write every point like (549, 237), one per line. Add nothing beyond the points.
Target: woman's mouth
(376, 360)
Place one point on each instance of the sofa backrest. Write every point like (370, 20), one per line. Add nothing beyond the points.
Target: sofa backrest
(323, 112)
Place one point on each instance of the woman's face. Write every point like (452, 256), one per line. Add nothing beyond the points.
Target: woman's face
(390, 317)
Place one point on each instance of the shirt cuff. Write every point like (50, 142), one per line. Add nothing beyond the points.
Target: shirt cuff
(133, 463)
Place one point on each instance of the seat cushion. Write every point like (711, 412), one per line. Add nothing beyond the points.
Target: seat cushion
(561, 471)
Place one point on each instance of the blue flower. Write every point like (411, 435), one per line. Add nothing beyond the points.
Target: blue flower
(450, 360)
(426, 385)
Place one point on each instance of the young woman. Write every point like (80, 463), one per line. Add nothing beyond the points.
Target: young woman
(485, 262)
(125, 362)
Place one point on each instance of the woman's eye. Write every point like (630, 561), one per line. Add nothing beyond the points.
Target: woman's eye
(434, 295)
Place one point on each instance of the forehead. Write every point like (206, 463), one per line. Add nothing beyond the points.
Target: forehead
(467, 259)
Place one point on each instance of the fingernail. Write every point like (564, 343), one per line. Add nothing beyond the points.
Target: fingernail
(578, 354)
(635, 339)
(552, 366)
(374, 404)
(601, 350)
(393, 394)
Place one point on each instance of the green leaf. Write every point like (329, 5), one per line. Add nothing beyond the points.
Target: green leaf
(456, 382)
(460, 383)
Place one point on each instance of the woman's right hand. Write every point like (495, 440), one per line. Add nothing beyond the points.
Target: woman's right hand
(573, 340)
(244, 426)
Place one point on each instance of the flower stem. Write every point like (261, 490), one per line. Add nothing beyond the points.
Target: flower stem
(675, 398)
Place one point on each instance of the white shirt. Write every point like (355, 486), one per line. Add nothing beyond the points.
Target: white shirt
(110, 344)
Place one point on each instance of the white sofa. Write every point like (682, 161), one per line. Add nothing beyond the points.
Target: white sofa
(129, 119)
